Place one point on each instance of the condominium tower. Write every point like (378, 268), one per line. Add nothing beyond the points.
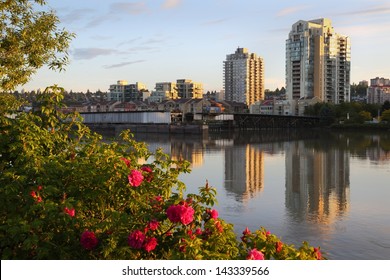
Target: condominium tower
(317, 62)
(243, 77)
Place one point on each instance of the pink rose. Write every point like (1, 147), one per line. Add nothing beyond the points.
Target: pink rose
(254, 254)
(150, 244)
(136, 239)
(135, 178)
(70, 212)
(213, 214)
(180, 213)
(88, 240)
(153, 225)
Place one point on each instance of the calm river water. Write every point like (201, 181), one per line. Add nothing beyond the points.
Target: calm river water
(331, 189)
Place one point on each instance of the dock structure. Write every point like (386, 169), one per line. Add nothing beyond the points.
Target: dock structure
(161, 122)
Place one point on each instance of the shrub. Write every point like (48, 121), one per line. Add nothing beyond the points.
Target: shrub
(66, 194)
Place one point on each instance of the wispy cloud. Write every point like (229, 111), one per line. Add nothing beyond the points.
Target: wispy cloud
(365, 30)
(117, 9)
(377, 10)
(123, 64)
(132, 8)
(91, 53)
(291, 10)
(170, 4)
(76, 15)
(215, 22)
(140, 44)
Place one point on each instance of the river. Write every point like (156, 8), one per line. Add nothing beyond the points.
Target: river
(331, 189)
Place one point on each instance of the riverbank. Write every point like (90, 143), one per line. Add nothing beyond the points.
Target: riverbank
(365, 126)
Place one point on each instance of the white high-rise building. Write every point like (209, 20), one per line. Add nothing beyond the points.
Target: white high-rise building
(317, 62)
(243, 77)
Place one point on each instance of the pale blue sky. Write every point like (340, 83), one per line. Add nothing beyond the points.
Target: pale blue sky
(151, 41)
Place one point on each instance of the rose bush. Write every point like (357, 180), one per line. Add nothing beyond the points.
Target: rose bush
(66, 194)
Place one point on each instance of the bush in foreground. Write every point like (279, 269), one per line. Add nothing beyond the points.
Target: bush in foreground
(66, 194)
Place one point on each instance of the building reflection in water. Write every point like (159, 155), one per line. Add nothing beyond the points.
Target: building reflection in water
(244, 171)
(317, 182)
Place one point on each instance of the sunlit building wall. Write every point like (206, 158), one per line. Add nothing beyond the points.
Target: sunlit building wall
(317, 62)
(244, 77)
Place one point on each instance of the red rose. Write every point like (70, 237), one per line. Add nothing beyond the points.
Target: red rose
(279, 246)
(153, 225)
(213, 214)
(88, 240)
(136, 239)
(254, 254)
(70, 212)
(135, 178)
(150, 244)
(180, 213)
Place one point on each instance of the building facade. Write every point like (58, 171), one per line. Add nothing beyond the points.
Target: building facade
(124, 92)
(243, 77)
(116, 92)
(317, 62)
(164, 91)
(189, 89)
(379, 91)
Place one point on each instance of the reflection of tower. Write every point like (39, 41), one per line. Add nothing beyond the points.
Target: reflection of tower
(317, 182)
(244, 170)
(190, 151)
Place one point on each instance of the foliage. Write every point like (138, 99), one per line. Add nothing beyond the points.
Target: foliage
(347, 112)
(67, 194)
(386, 116)
(30, 38)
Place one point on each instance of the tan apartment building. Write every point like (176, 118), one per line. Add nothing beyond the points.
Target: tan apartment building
(189, 89)
(244, 77)
(317, 62)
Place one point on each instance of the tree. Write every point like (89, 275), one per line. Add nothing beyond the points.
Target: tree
(385, 106)
(30, 39)
(386, 116)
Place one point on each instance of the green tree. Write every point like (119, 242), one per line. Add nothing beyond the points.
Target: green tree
(386, 116)
(30, 38)
(364, 116)
(385, 106)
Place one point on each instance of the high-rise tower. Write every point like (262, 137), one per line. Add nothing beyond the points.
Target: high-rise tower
(317, 62)
(244, 77)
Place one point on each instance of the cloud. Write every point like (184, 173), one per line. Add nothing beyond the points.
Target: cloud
(117, 9)
(377, 10)
(170, 4)
(123, 64)
(76, 15)
(364, 31)
(291, 10)
(132, 8)
(91, 53)
(215, 22)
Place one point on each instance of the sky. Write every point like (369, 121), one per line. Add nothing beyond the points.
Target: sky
(150, 41)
